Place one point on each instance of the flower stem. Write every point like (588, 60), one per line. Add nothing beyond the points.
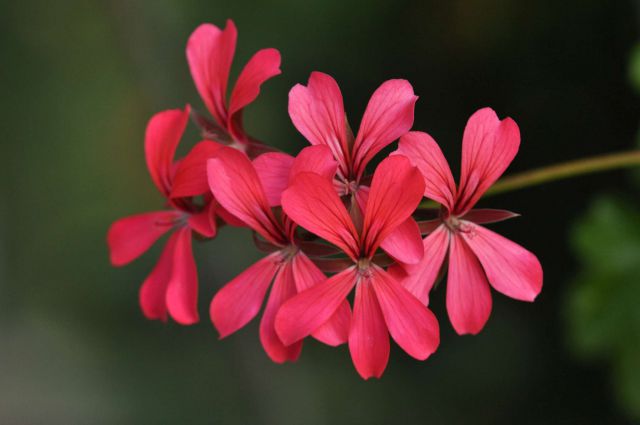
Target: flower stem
(565, 170)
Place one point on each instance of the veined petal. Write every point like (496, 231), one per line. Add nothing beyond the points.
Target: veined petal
(368, 337)
(388, 116)
(191, 174)
(510, 268)
(411, 324)
(152, 295)
(283, 288)
(468, 295)
(264, 65)
(488, 147)
(420, 277)
(239, 300)
(486, 215)
(336, 330)
(273, 170)
(130, 237)
(314, 159)
(236, 186)
(317, 111)
(405, 242)
(210, 53)
(161, 139)
(310, 309)
(182, 289)
(204, 222)
(312, 202)
(396, 191)
(424, 153)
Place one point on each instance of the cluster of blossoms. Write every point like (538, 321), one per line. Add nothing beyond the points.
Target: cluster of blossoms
(327, 227)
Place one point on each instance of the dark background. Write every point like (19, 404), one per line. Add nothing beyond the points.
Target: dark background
(81, 78)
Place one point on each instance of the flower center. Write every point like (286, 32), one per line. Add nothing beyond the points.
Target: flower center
(364, 266)
(350, 187)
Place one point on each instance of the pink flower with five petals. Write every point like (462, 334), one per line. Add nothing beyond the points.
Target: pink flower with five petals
(478, 257)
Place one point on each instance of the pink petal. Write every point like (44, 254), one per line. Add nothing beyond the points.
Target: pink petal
(191, 174)
(396, 191)
(310, 309)
(424, 153)
(368, 337)
(161, 139)
(314, 159)
(283, 288)
(510, 268)
(411, 324)
(264, 65)
(405, 242)
(130, 237)
(182, 289)
(420, 277)
(210, 53)
(336, 330)
(485, 215)
(388, 116)
(488, 147)
(239, 300)
(204, 222)
(468, 294)
(273, 170)
(312, 202)
(317, 111)
(153, 291)
(236, 186)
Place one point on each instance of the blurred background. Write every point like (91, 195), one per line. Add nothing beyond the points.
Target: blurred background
(79, 81)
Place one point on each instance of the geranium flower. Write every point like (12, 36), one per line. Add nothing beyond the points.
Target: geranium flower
(382, 305)
(210, 52)
(238, 187)
(478, 257)
(172, 286)
(317, 111)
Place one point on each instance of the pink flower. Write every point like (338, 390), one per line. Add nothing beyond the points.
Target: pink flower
(317, 111)
(478, 257)
(382, 305)
(172, 286)
(237, 186)
(210, 52)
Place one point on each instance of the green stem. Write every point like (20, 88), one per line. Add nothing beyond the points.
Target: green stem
(565, 170)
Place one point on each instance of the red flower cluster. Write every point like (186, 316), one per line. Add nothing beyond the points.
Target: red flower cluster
(325, 225)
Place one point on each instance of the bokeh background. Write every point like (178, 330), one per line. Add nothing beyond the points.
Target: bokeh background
(81, 78)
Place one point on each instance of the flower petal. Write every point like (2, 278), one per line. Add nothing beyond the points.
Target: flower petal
(264, 65)
(317, 111)
(368, 337)
(510, 268)
(204, 222)
(161, 139)
(273, 170)
(486, 215)
(312, 202)
(468, 295)
(314, 159)
(236, 186)
(411, 324)
(420, 277)
(396, 191)
(424, 153)
(239, 300)
(488, 147)
(210, 53)
(130, 237)
(191, 174)
(405, 242)
(388, 116)
(283, 289)
(182, 289)
(310, 309)
(152, 294)
(336, 330)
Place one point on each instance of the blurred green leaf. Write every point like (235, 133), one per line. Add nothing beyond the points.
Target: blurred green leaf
(634, 68)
